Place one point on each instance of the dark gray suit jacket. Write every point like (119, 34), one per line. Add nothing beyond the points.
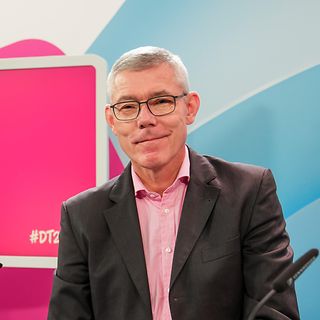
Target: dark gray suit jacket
(231, 244)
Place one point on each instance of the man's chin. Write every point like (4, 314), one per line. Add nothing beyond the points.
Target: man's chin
(149, 162)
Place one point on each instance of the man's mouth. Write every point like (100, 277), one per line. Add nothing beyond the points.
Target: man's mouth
(147, 139)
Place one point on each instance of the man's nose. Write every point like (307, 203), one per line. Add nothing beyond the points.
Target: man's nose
(145, 118)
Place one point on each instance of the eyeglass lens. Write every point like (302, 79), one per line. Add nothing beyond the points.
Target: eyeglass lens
(157, 106)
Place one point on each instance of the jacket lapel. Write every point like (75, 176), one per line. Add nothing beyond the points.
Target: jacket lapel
(122, 219)
(201, 196)
(124, 225)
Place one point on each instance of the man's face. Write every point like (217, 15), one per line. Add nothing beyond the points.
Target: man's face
(152, 142)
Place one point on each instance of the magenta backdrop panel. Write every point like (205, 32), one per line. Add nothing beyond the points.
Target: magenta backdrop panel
(48, 152)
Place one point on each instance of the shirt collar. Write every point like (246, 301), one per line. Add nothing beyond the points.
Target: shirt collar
(183, 175)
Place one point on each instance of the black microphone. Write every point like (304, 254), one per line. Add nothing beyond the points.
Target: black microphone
(293, 272)
(1, 265)
(286, 278)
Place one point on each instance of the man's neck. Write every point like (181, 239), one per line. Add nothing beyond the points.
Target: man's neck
(159, 179)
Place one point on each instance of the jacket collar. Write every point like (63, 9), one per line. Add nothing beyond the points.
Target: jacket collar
(202, 194)
(122, 219)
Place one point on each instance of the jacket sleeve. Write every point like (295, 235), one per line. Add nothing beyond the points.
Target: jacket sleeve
(70, 299)
(266, 253)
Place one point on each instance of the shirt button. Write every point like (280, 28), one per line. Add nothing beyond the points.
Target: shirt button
(166, 211)
(168, 250)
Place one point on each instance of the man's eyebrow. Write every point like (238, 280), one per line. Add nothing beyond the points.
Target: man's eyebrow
(159, 93)
(126, 98)
(135, 98)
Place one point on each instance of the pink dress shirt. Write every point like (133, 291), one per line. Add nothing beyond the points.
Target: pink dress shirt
(159, 219)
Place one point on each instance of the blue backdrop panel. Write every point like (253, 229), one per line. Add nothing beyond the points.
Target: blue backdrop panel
(277, 128)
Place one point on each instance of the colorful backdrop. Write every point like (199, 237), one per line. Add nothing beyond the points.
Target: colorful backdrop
(256, 67)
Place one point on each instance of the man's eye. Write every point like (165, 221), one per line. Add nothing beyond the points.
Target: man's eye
(127, 107)
(162, 101)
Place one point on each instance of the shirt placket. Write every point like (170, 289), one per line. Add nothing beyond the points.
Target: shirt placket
(167, 246)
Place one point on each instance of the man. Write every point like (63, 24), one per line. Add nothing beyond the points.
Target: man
(177, 235)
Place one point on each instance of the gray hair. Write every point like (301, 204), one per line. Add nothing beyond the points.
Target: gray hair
(144, 58)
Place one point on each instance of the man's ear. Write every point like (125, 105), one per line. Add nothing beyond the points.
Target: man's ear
(193, 104)
(109, 117)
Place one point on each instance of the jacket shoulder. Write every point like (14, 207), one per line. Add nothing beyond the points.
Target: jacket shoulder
(237, 179)
(221, 167)
(91, 197)
(225, 168)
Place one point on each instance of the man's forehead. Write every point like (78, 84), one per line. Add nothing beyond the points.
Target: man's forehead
(144, 84)
(160, 69)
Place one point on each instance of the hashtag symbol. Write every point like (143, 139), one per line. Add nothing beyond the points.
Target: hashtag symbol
(34, 236)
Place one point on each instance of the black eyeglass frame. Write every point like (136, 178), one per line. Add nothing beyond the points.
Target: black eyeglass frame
(147, 104)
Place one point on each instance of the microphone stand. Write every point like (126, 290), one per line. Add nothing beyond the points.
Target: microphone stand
(261, 303)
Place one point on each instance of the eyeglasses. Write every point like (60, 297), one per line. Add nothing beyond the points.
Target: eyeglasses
(158, 106)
